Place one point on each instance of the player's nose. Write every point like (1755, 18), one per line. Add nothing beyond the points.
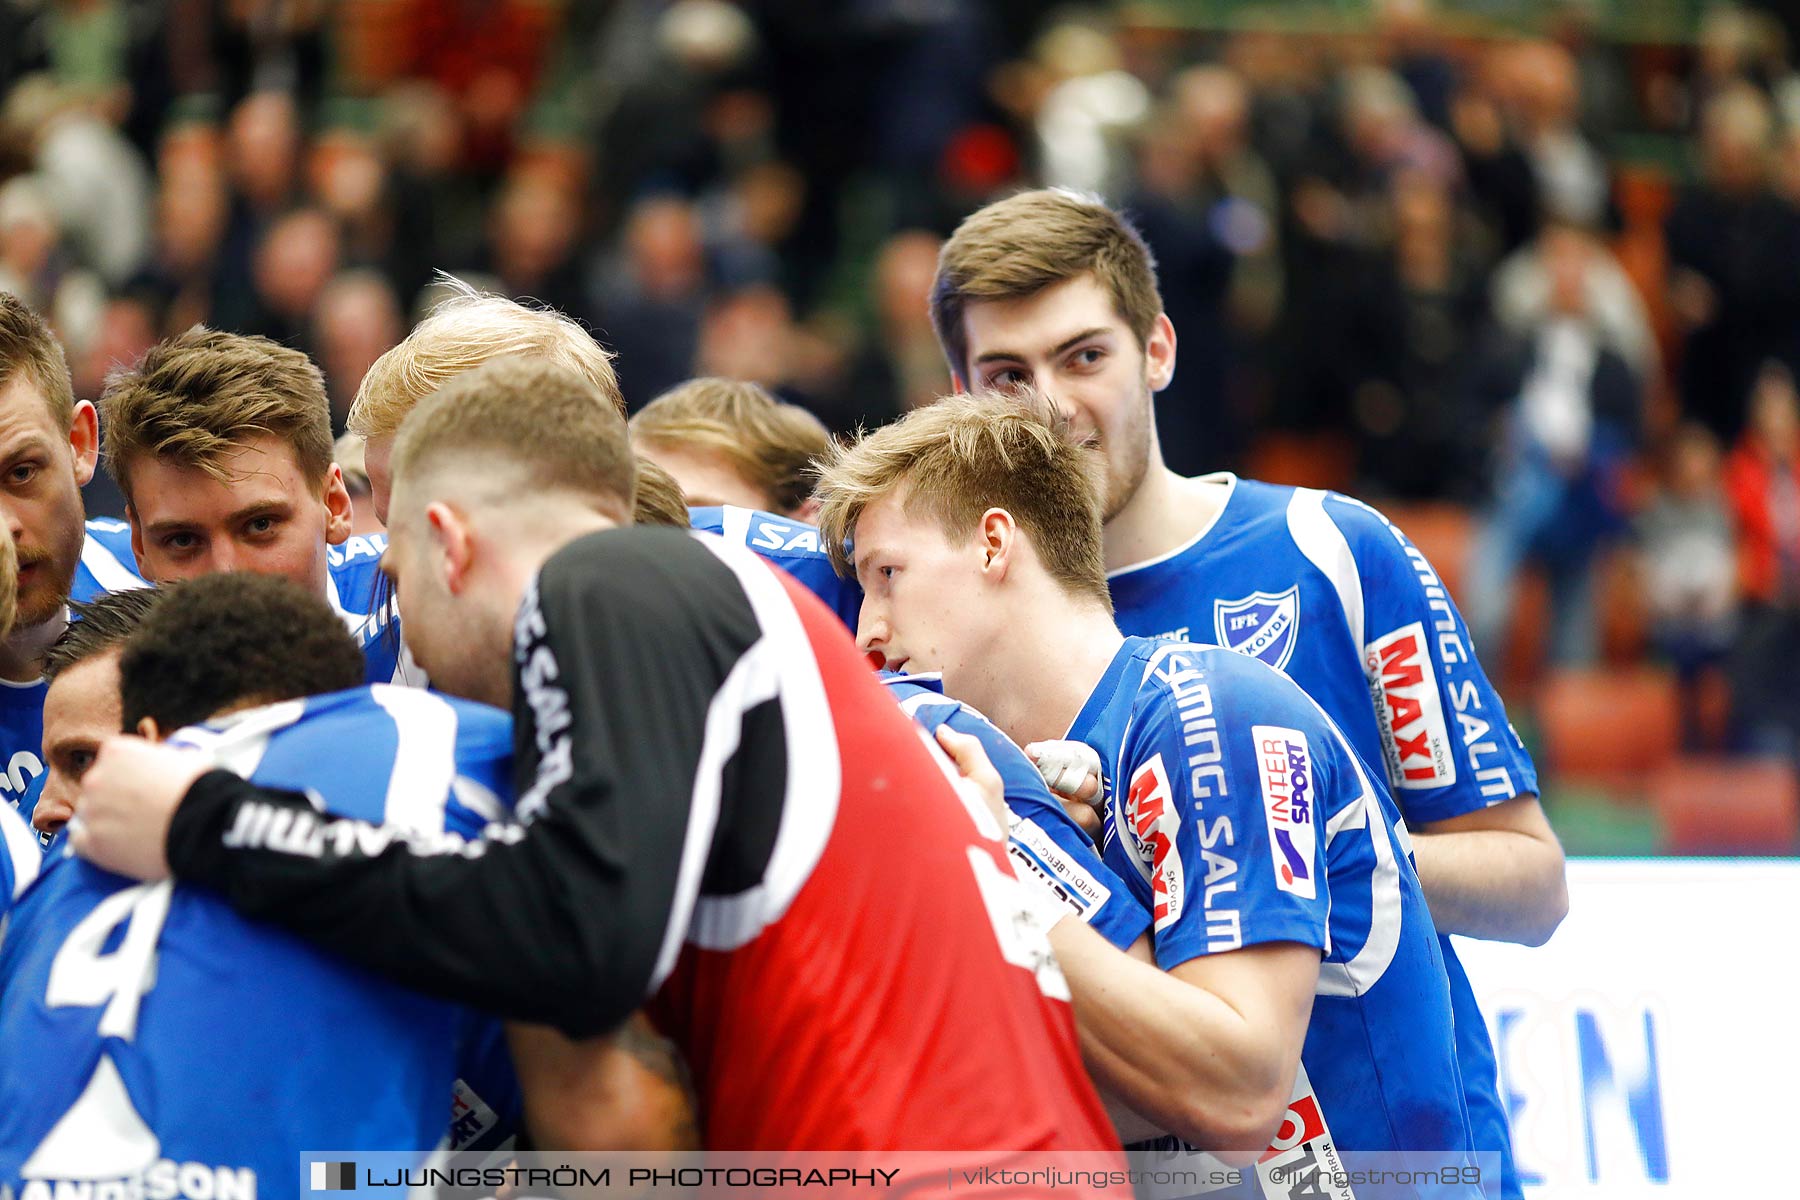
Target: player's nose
(871, 631)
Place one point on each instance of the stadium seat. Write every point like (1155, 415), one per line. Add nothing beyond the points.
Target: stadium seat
(1610, 728)
(1301, 460)
(1727, 806)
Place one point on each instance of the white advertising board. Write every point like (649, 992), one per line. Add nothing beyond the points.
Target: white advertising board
(1652, 1047)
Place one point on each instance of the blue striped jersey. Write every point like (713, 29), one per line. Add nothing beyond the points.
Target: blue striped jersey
(155, 1037)
(1239, 816)
(1331, 592)
(19, 860)
(789, 544)
(360, 595)
(1043, 841)
(106, 565)
(354, 588)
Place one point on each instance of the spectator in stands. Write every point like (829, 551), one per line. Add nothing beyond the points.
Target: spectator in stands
(652, 300)
(899, 366)
(356, 321)
(95, 180)
(1732, 248)
(1546, 105)
(292, 265)
(1210, 209)
(1690, 575)
(1406, 347)
(263, 144)
(1568, 412)
(1520, 299)
(1762, 480)
(534, 243)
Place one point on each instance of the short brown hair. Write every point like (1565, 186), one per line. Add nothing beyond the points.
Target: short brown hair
(196, 397)
(658, 496)
(1015, 248)
(771, 444)
(463, 332)
(964, 455)
(27, 345)
(543, 418)
(102, 624)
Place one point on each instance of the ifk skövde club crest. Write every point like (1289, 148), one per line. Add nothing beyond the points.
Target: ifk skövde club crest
(1260, 625)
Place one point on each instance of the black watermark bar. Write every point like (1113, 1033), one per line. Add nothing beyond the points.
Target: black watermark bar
(1165, 1175)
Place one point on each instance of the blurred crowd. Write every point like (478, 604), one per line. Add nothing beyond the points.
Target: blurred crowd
(1539, 272)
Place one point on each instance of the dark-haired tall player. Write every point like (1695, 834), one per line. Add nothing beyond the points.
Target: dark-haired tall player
(1055, 291)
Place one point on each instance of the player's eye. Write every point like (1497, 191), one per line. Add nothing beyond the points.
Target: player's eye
(76, 763)
(1088, 357)
(259, 526)
(888, 572)
(180, 542)
(22, 473)
(1010, 377)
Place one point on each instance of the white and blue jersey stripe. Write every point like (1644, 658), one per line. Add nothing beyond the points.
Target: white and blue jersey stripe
(1332, 593)
(789, 544)
(360, 594)
(1239, 816)
(354, 588)
(1043, 841)
(106, 565)
(19, 860)
(151, 1031)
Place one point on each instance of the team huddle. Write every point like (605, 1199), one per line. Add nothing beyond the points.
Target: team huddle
(979, 786)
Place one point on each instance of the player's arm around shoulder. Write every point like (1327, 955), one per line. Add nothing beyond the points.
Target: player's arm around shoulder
(1490, 864)
(1208, 1045)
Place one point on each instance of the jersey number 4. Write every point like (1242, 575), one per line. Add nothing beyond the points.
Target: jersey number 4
(101, 1136)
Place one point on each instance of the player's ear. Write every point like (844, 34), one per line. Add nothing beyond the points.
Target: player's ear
(1159, 353)
(337, 507)
(84, 441)
(450, 536)
(147, 729)
(999, 540)
(808, 511)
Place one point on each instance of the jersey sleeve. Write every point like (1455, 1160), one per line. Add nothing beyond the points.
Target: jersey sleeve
(624, 656)
(1045, 845)
(20, 857)
(1221, 805)
(1447, 744)
(793, 546)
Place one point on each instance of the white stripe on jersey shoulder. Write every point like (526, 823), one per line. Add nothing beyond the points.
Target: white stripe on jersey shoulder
(424, 758)
(734, 524)
(1318, 537)
(1230, 481)
(914, 703)
(1371, 961)
(111, 574)
(237, 742)
(779, 665)
(479, 799)
(21, 847)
